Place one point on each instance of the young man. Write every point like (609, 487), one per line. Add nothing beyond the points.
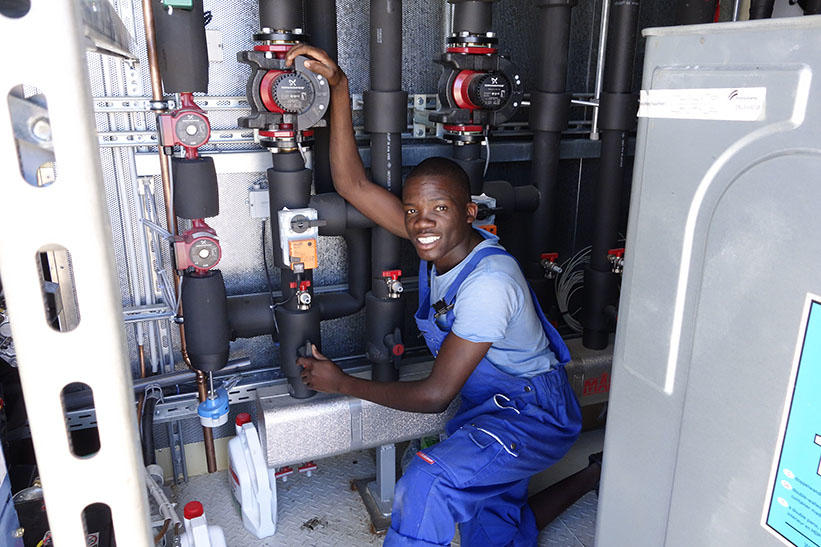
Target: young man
(492, 344)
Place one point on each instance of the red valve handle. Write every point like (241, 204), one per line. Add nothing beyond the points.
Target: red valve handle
(398, 349)
(550, 256)
(303, 285)
(393, 274)
(616, 252)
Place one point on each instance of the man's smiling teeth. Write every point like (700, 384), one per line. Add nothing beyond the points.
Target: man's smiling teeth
(427, 240)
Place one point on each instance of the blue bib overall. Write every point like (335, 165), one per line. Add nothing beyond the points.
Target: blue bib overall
(506, 430)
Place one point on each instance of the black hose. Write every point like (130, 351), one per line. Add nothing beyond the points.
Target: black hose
(761, 9)
(694, 12)
(147, 430)
(617, 116)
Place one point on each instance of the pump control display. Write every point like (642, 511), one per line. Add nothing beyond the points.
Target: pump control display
(197, 248)
(185, 127)
(489, 90)
(293, 92)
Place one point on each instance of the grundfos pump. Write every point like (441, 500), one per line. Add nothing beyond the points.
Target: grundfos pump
(479, 89)
(286, 103)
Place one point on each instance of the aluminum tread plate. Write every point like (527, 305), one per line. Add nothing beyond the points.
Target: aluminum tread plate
(322, 510)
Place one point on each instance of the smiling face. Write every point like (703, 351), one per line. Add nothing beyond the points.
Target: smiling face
(438, 217)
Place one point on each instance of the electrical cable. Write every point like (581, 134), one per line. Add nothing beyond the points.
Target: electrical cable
(274, 303)
(487, 150)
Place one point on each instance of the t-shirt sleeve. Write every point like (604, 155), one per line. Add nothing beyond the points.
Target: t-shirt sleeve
(485, 305)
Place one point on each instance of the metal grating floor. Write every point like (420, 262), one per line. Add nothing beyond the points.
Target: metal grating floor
(324, 510)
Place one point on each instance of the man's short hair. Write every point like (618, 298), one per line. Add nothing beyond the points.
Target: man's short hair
(443, 168)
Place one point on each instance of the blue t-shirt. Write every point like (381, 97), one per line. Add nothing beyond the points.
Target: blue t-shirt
(494, 305)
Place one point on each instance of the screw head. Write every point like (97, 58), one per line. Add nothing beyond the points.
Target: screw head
(41, 129)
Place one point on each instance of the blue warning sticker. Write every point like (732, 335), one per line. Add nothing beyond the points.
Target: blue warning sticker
(793, 512)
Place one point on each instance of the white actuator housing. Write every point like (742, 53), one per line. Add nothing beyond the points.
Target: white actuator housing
(297, 236)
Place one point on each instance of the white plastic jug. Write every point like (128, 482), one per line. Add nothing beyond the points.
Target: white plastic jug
(197, 531)
(253, 484)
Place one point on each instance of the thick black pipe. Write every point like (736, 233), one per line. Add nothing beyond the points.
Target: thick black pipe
(147, 431)
(694, 12)
(810, 7)
(548, 118)
(295, 329)
(617, 115)
(289, 185)
(181, 47)
(321, 16)
(281, 14)
(196, 193)
(385, 126)
(473, 16)
(761, 9)
(205, 320)
(469, 158)
(332, 306)
(250, 315)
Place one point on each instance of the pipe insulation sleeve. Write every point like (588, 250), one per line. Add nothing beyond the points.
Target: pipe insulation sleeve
(196, 192)
(250, 315)
(321, 19)
(549, 111)
(473, 16)
(181, 48)
(206, 320)
(621, 47)
(617, 111)
(147, 430)
(332, 306)
(339, 214)
(382, 312)
(469, 158)
(289, 185)
(386, 46)
(386, 111)
(695, 12)
(761, 9)
(296, 327)
(281, 14)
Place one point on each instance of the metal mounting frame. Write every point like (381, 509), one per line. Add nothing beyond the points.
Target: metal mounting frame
(38, 216)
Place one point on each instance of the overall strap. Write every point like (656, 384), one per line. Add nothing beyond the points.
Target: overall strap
(424, 283)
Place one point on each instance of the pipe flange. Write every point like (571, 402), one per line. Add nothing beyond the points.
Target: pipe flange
(280, 36)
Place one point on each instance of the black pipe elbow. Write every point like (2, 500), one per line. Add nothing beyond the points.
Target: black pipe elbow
(181, 47)
(147, 431)
(332, 306)
(250, 315)
(206, 320)
(510, 199)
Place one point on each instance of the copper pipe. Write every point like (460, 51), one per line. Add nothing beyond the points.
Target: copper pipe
(170, 215)
(162, 531)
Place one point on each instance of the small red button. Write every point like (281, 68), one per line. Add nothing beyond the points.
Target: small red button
(243, 418)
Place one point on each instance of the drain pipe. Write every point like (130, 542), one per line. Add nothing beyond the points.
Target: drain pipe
(617, 116)
(694, 12)
(761, 9)
(550, 105)
(158, 105)
(385, 120)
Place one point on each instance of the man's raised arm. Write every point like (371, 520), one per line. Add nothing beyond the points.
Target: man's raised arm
(347, 170)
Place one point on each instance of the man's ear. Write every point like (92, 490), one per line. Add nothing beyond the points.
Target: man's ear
(472, 211)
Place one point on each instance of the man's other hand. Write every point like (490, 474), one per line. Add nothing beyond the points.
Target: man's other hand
(319, 62)
(320, 373)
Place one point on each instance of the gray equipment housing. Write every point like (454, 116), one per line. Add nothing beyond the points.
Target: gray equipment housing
(722, 250)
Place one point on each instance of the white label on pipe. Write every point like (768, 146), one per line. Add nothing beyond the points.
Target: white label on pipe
(743, 104)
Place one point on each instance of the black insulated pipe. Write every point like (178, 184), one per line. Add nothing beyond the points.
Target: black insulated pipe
(334, 305)
(196, 193)
(469, 158)
(289, 185)
(205, 320)
(617, 115)
(250, 315)
(321, 17)
(548, 118)
(281, 14)
(296, 328)
(385, 120)
(472, 16)
(694, 12)
(761, 9)
(147, 430)
(181, 47)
